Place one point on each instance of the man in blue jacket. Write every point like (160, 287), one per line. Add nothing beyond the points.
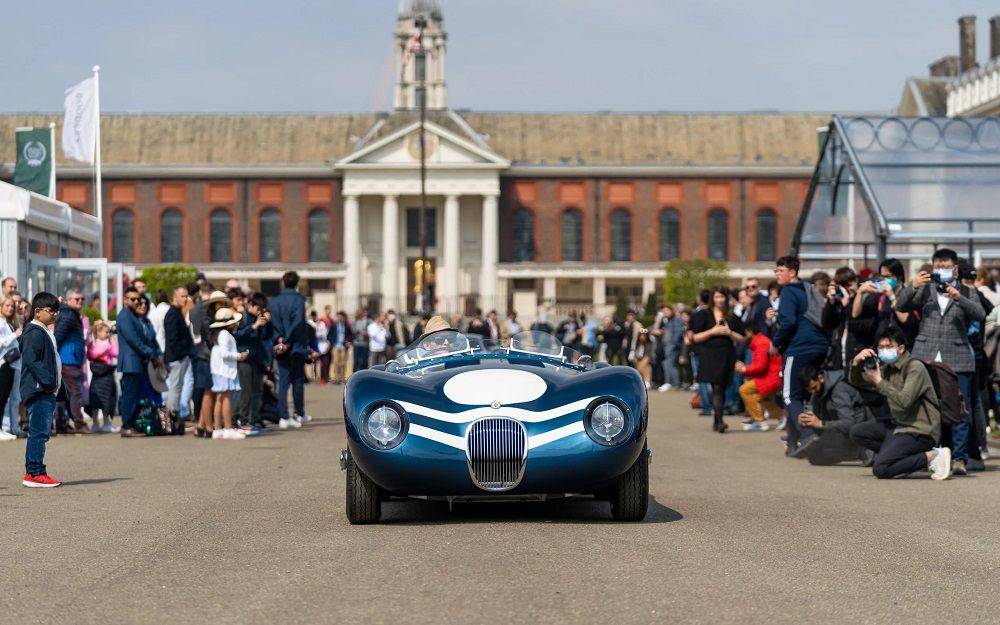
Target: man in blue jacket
(800, 342)
(291, 349)
(41, 377)
(135, 349)
(251, 337)
(72, 353)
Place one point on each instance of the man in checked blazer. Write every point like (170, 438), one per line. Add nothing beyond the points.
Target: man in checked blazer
(946, 309)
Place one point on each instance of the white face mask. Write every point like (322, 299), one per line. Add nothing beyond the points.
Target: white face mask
(888, 356)
(945, 276)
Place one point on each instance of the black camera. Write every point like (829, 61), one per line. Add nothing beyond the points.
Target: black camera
(941, 286)
(870, 363)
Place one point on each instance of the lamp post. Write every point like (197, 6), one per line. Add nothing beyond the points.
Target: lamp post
(421, 71)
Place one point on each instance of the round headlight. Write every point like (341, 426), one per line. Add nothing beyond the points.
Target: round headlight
(607, 422)
(383, 427)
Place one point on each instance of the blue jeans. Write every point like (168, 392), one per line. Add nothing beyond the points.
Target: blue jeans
(792, 391)
(187, 388)
(671, 371)
(41, 409)
(130, 395)
(291, 372)
(960, 430)
(360, 357)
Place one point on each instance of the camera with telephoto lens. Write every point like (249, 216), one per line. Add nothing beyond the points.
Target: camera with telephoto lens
(870, 363)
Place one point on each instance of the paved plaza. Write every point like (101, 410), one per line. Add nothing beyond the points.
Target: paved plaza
(184, 530)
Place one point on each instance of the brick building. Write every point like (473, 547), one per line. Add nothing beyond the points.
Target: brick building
(536, 211)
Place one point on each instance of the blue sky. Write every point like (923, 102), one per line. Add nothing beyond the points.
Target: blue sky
(511, 55)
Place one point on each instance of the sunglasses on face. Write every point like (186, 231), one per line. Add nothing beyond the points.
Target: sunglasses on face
(52, 313)
(437, 341)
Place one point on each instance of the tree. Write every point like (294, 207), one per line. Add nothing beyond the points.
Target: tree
(651, 306)
(621, 305)
(167, 277)
(684, 278)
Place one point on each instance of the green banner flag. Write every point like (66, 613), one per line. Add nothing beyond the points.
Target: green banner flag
(33, 168)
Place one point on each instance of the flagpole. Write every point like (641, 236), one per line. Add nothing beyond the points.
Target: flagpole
(52, 177)
(97, 161)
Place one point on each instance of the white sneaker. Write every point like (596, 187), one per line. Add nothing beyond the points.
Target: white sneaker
(940, 463)
(7, 436)
(232, 435)
(303, 418)
(756, 426)
(218, 434)
(284, 424)
(664, 388)
(648, 386)
(782, 424)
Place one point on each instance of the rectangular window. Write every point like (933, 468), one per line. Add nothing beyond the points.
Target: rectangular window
(419, 67)
(413, 227)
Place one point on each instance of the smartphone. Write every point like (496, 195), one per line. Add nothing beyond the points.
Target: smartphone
(723, 323)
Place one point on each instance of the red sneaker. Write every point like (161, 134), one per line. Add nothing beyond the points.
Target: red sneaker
(39, 481)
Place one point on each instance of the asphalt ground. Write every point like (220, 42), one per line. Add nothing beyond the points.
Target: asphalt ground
(186, 530)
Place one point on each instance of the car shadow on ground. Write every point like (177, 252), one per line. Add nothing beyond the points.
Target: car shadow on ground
(570, 510)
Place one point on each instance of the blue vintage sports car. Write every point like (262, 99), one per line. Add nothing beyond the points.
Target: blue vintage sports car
(459, 418)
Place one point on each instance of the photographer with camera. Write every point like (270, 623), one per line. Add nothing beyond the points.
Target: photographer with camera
(834, 407)
(946, 309)
(909, 444)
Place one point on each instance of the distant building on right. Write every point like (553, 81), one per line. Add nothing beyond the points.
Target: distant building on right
(958, 85)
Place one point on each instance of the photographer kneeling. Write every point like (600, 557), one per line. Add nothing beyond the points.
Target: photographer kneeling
(836, 407)
(910, 444)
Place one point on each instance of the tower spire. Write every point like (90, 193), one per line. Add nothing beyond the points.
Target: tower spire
(416, 16)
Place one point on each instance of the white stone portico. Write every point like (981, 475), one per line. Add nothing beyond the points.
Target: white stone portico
(382, 182)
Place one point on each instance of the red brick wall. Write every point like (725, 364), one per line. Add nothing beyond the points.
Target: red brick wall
(644, 199)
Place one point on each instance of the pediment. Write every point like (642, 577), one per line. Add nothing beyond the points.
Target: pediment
(443, 149)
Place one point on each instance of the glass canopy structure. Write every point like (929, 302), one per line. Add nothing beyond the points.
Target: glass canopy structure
(902, 187)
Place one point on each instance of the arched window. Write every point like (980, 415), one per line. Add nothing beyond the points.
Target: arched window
(269, 236)
(670, 234)
(767, 235)
(319, 236)
(123, 236)
(171, 236)
(718, 234)
(621, 234)
(220, 236)
(572, 235)
(524, 235)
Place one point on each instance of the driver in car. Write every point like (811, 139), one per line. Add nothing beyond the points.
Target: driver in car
(438, 337)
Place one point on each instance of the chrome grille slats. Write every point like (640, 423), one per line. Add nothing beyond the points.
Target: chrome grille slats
(496, 448)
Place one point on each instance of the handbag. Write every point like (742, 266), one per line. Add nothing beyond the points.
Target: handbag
(12, 356)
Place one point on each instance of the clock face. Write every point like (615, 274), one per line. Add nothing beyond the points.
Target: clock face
(413, 145)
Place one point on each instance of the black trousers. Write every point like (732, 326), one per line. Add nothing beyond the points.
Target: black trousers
(247, 409)
(6, 386)
(834, 447)
(870, 434)
(901, 454)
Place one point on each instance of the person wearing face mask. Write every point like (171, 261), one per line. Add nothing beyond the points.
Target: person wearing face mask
(873, 310)
(909, 443)
(947, 309)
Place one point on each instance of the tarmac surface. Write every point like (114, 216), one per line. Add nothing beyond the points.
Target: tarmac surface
(186, 530)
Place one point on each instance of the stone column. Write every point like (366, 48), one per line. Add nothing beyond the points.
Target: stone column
(600, 292)
(491, 254)
(352, 253)
(450, 287)
(648, 286)
(390, 253)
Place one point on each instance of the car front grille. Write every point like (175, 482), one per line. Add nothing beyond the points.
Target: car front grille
(496, 448)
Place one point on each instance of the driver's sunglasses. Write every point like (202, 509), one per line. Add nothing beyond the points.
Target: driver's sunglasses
(438, 340)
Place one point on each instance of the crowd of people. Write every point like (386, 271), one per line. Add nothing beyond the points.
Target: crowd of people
(899, 375)
(217, 363)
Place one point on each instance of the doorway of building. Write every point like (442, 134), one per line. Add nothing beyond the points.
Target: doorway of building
(415, 276)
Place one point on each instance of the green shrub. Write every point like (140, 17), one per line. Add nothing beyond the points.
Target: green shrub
(167, 277)
(621, 306)
(684, 278)
(91, 313)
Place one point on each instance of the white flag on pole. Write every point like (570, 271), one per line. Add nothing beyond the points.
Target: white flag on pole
(79, 129)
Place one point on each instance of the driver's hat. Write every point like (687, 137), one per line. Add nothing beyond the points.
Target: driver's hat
(435, 324)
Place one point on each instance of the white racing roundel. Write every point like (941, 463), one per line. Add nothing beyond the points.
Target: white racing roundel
(483, 388)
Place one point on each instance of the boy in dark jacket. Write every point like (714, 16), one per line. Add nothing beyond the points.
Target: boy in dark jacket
(40, 381)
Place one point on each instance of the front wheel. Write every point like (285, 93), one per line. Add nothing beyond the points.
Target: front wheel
(364, 499)
(630, 497)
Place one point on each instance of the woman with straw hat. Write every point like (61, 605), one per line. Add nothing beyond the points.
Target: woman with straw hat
(224, 372)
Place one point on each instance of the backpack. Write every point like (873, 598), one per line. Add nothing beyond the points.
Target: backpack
(948, 394)
(814, 314)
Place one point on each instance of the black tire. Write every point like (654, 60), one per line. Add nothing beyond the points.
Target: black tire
(364, 501)
(630, 497)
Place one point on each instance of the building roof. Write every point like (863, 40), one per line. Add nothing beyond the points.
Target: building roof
(924, 97)
(591, 139)
(415, 8)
